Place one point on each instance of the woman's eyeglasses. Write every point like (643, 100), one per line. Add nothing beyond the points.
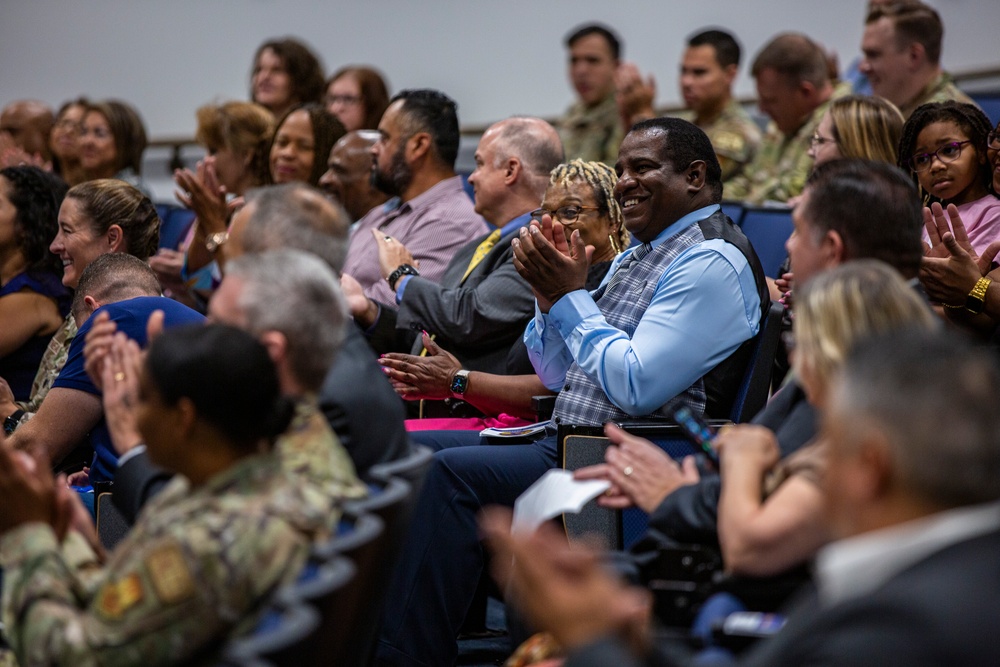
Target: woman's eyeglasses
(564, 214)
(818, 140)
(947, 153)
(993, 140)
(346, 100)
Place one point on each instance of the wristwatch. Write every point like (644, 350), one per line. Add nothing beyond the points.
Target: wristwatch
(12, 421)
(460, 383)
(214, 241)
(402, 270)
(977, 297)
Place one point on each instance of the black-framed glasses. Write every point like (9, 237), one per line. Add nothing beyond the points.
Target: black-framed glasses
(563, 214)
(947, 153)
(818, 140)
(993, 140)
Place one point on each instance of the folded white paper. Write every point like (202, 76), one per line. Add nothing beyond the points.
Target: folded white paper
(555, 493)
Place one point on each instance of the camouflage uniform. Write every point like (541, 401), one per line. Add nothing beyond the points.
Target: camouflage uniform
(593, 133)
(781, 166)
(734, 136)
(52, 363)
(941, 89)
(196, 569)
(310, 450)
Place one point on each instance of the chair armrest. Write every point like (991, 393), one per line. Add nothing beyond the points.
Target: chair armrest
(543, 406)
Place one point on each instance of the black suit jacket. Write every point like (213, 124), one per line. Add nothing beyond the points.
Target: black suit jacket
(361, 406)
(477, 319)
(690, 514)
(943, 610)
(136, 481)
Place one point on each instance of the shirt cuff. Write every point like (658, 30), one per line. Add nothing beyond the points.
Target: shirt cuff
(25, 541)
(401, 287)
(567, 313)
(131, 454)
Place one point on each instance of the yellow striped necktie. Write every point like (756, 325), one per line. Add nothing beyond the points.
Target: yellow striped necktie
(481, 251)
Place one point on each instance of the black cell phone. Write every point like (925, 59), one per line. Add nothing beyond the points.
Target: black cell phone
(698, 431)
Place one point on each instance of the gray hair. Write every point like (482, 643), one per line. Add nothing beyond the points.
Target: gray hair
(535, 143)
(932, 396)
(296, 294)
(296, 215)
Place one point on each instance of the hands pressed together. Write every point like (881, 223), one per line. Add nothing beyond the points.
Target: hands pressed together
(950, 267)
(552, 264)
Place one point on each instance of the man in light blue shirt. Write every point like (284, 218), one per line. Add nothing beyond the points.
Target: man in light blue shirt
(672, 323)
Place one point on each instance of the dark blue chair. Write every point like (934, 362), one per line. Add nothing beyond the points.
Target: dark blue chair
(767, 229)
(284, 638)
(175, 221)
(584, 446)
(411, 468)
(989, 103)
(734, 210)
(375, 559)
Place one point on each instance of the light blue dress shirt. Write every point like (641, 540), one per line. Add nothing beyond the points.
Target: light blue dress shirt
(705, 305)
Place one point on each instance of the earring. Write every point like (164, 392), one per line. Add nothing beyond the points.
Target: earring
(615, 245)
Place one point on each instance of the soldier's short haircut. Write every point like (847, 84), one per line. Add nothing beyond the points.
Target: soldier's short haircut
(727, 49)
(114, 277)
(796, 58)
(914, 22)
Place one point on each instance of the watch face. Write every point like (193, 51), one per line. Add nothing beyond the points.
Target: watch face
(459, 383)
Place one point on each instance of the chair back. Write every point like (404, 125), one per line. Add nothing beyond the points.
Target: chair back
(990, 104)
(768, 229)
(376, 561)
(755, 388)
(287, 634)
(175, 222)
(734, 210)
(582, 446)
(411, 468)
(112, 526)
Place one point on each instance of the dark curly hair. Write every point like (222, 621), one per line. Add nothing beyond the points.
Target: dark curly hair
(968, 117)
(37, 196)
(327, 131)
(303, 66)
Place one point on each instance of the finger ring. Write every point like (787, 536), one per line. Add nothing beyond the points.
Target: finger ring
(119, 376)
(387, 238)
(627, 471)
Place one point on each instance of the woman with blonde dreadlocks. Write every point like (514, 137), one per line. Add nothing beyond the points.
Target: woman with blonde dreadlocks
(580, 195)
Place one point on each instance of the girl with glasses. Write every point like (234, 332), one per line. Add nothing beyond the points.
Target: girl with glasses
(944, 146)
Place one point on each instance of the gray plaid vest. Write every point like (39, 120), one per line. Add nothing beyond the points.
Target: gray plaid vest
(624, 299)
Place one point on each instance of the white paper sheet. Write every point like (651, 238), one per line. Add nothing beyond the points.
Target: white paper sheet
(555, 493)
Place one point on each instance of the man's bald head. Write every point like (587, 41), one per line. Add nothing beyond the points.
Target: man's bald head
(26, 124)
(348, 176)
(295, 216)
